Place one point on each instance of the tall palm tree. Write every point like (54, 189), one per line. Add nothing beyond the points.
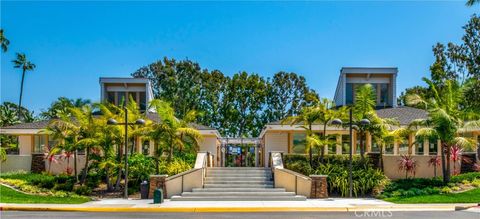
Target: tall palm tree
(4, 41)
(170, 132)
(22, 63)
(445, 119)
(364, 108)
(327, 114)
(472, 2)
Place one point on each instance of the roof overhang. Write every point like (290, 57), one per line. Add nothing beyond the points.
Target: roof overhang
(19, 131)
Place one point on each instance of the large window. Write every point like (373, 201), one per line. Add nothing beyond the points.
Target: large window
(121, 98)
(375, 147)
(299, 143)
(111, 97)
(403, 147)
(349, 93)
(39, 143)
(146, 147)
(383, 94)
(389, 149)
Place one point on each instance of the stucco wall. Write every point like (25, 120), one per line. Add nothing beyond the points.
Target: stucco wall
(209, 143)
(293, 182)
(275, 141)
(16, 162)
(25, 144)
(61, 165)
(184, 182)
(390, 166)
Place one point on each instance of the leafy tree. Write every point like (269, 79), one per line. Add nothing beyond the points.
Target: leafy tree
(212, 91)
(22, 63)
(4, 41)
(472, 2)
(287, 93)
(243, 101)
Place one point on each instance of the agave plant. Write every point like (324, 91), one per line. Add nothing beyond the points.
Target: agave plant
(434, 162)
(408, 164)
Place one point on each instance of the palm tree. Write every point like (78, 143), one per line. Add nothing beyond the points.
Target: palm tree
(170, 132)
(445, 119)
(4, 41)
(364, 108)
(305, 119)
(472, 2)
(25, 65)
(327, 114)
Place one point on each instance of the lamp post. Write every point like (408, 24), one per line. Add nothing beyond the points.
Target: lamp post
(363, 122)
(112, 121)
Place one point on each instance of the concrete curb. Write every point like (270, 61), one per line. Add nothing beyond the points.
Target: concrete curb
(241, 209)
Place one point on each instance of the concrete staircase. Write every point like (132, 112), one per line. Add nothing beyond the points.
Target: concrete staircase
(238, 184)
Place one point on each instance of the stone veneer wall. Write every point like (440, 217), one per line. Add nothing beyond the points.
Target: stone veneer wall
(319, 186)
(157, 181)
(38, 163)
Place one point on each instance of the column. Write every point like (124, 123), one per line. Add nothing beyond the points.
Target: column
(411, 140)
(439, 147)
(256, 155)
(319, 187)
(395, 148)
(139, 145)
(151, 148)
(368, 142)
(339, 144)
(426, 147)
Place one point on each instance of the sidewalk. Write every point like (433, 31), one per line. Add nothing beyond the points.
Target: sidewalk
(331, 205)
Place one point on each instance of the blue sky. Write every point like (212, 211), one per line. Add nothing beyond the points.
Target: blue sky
(74, 43)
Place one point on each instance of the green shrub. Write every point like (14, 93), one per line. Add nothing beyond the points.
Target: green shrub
(456, 188)
(465, 176)
(176, 166)
(82, 190)
(466, 182)
(476, 183)
(446, 190)
(300, 166)
(140, 167)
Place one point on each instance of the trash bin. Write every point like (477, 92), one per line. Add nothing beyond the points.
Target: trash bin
(144, 190)
(158, 196)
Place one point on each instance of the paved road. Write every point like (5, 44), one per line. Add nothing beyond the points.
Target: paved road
(289, 215)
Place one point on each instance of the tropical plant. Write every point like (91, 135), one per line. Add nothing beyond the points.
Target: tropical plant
(24, 64)
(363, 108)
(472, 2)
(408, 164)
(445, 120)
(63, 105)
(172, 133)
(456, 156)
(4, 41)
(434, 162)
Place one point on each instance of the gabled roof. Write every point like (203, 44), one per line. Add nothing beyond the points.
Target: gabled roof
(404, 114)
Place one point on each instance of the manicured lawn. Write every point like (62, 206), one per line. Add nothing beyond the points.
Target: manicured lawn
(8, 195)
(472, 196)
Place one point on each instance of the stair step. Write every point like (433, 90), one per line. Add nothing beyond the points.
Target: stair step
(238, 190)
(239, 175)
(238, 198)
(238, 186)
(238, 193)
(232, 182)
(239, 168)
(237, 178)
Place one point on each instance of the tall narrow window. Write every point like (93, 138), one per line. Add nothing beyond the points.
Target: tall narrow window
(111, 97)
(384, 94)
(146, 147)
(143, 101)
(419, 147)
(345, 144)
(349, 93)
(403, 147)
(432, 146)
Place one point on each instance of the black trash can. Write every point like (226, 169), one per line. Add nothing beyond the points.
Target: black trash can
(144, 190)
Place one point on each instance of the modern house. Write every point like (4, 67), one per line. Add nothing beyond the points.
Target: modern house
(33, 144)
(275, 136)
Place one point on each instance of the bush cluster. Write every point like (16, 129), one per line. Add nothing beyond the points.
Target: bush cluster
(366, 179)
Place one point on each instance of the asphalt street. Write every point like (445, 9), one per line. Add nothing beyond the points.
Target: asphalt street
(273, 215)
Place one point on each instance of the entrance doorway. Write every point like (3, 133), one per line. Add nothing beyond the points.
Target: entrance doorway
(240, 152)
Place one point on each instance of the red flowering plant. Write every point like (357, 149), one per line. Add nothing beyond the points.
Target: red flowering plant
(434, 162)
(49, 155)
(408, 164)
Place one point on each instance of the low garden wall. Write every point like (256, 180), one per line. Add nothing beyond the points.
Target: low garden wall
(16, 163)
(423, 170)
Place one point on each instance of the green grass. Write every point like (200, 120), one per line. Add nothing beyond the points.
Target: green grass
(471, 196)
(8, 195)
